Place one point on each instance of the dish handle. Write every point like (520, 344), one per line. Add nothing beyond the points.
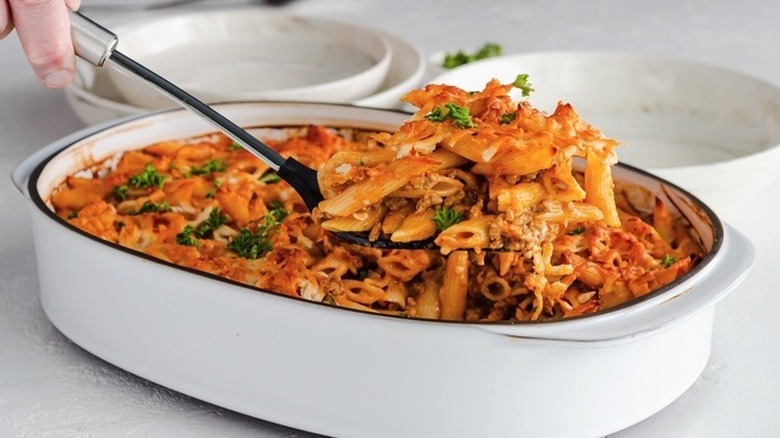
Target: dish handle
(22, 172)
(732, 266)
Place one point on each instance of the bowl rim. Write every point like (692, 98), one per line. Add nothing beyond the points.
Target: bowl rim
(85, 95)
(379, 66)
(85, 134)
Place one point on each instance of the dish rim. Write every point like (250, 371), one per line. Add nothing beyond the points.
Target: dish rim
(41, 165)
(380, 65)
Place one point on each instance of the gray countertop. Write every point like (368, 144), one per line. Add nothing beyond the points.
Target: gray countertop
(51, 387)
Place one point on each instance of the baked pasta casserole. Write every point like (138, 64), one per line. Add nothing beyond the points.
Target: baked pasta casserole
(523, 234)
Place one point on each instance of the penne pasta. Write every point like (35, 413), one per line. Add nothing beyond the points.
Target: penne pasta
(473, 172)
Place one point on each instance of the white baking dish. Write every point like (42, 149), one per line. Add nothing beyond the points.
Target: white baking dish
(346, 373)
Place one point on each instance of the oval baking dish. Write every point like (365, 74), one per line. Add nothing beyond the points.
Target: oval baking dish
(348, 373)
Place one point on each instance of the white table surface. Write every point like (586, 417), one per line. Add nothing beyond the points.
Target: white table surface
(50, 387)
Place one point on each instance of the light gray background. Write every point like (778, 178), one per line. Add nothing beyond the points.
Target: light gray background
(50, 387)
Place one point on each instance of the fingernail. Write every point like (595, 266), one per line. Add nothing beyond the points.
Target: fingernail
(58, 79)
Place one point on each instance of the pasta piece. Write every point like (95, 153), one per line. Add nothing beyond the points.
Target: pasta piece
(417, 226)
(471, 233)
(452, 294)
(599, 187)
(359, 221)
(366, 193)
(520, 197)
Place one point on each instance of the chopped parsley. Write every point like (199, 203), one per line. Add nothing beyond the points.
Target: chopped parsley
(486, 51)
(362, 274)
(459, 115)
(73, 215)
(668, 261)
(218, 183)
(211, 194)
(121, 192)
(148, 178)
(151, 207)
(508, 118)
(215, 220)
(522, 83)
(445, 218)
(204, 229)
(270, 178)
(328, 299)
(210, 167)
(235, 146)
(577, 231)
(251, 245)
(186, 238)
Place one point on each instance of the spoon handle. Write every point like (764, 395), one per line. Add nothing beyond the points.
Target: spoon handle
(96, 45)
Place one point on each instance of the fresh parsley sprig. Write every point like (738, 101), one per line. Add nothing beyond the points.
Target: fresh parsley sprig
(459, 115)
(459, 58)
(186, 237)
(149, 177)
(251, 245)
(445, 217)
(210, 167)
(151, 207)
(189, 235)
(521, 82)
(668, 260)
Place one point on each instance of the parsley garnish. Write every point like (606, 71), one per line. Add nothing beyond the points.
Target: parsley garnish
(445, 218)
(486, 51)
(217, 183)
(235, 146)
(577, 231)
(73, 215)
(362, 274)
(148, 178)
(250, 246)
(328, 299)
(211, 194)
(668, 261)
(459, 115)
(121, 192)
(215, 220)
(270, 178)
(209, 167)
(508, 118)
(203, 230)
(185, 237)
(253, 245)
(151, 207)
(522, 83)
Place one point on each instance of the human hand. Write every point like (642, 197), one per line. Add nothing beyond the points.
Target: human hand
(44, 30)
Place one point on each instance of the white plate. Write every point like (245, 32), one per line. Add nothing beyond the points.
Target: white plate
(94, 98)
(251, 53)
(713, 131)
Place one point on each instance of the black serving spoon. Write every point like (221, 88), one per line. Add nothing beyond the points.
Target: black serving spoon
(96, 45)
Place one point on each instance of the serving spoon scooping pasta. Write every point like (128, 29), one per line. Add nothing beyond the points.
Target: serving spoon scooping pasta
(97, 45)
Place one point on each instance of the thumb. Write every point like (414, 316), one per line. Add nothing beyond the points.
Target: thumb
(44, 30)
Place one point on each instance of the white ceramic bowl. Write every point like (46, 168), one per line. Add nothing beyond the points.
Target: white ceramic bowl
(347, 373)
(253, 54)
(714, 131)
(94, 98)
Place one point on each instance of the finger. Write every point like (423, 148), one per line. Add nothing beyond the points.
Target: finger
(6, 25)
(73, 5)
(44, 30)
